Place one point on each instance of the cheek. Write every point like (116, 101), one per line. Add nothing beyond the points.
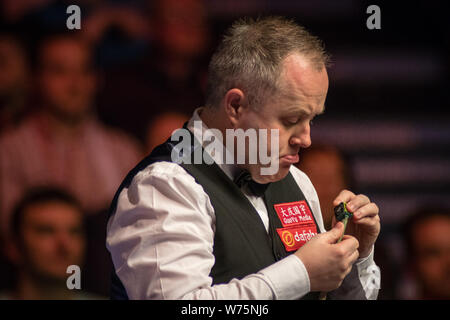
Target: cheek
(283, 139)
(39, 247)
(430, 268)
(54, 86)
(78, 247)
(88, 84)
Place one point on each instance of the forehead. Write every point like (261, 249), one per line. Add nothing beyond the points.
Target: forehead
(433, 232)
(52, 213)
(302, 84)
(64, 51)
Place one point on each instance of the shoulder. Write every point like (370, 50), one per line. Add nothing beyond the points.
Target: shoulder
(118, 138)
(84, 295)
(16, 142)
(13, 134)
(162, 169)
(165, 180)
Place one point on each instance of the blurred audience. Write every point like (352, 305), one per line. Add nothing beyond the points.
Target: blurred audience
(123, 17)
(172, 75)
(329, 172)
(162, 126)
(63, 143)
(15, 10)
(14, 80)
(427, 270)
(47, 236)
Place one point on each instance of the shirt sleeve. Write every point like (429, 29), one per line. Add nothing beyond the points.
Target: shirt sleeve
(363, 281)
(161, 242)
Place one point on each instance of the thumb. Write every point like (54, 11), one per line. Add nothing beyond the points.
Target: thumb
(334, 234)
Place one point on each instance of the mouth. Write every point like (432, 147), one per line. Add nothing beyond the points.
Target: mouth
(291, 158)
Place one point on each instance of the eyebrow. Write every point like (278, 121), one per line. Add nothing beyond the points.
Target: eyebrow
(304, 111)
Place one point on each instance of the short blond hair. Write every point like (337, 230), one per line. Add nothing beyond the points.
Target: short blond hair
(250, 55)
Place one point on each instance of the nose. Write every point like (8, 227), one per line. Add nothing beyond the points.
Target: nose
(302, 137)
(64, 241)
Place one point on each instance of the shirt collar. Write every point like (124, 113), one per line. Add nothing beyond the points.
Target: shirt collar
(203, 134)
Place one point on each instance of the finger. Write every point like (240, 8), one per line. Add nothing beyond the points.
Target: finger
(348, 244)
(343, 196)
(357, 202)
(368, 210)
(354, 257)
(335, 233)
(368, 221)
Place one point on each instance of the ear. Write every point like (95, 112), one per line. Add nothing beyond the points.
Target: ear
(235, 103)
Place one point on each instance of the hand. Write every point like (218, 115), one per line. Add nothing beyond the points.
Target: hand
(326, 261)
(365, 224)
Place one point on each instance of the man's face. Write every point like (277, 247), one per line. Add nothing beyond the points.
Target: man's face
(53, 239)
(304, 93)
(66, 79)
(432, 247)
(181, 27)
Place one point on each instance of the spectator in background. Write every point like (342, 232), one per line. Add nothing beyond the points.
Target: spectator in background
(172, 75)
(47, 237)
(14, 81)
(63, 144)
(427, 239)
(329, 172)
(162, 126)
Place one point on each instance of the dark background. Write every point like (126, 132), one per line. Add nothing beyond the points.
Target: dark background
(387, 106)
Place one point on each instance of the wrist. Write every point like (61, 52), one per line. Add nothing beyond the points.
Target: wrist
(365, 253)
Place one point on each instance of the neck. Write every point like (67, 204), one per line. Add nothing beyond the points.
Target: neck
(30, 287)
(214, 119)
(65, 126)
(217, 119)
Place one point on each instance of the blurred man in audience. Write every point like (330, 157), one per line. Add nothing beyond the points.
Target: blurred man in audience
(427, 238)
(329, 173)
(63, 144)
(171, 76)
(162, 126)
(47, 236)
(14, 81)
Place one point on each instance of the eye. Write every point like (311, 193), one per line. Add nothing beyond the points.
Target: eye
(311, 122)
(291, 121)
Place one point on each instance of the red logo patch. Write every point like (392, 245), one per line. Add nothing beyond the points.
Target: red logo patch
(295, 237)
(294, 213)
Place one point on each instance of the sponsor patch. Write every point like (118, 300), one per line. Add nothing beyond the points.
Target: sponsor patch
(294, 213)
(295, 237)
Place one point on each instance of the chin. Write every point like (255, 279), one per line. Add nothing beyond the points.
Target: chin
(281, 174)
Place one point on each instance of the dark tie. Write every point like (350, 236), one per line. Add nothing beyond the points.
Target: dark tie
(255, 188)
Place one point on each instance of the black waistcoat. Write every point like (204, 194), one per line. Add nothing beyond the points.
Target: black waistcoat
(241, 244)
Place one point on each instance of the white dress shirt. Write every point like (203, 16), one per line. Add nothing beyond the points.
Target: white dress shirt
(161, 240)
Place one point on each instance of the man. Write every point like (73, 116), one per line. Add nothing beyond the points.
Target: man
(427, 237)
(169, 77)
(63, 143)
(228, 231)
(47, 237)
